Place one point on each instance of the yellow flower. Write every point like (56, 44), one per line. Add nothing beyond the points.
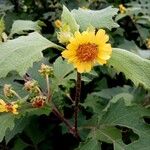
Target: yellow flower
(2, 106)
(11, 107)
(8, 107)
(87, 48)
(122, 9)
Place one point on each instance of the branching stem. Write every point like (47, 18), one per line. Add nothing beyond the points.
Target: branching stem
(16, 94)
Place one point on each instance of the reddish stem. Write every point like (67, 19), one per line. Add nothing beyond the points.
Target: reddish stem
(77, 100)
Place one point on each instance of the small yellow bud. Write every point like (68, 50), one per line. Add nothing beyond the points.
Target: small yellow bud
(58, 23)
(148, 43)
(46, 70)
(8, 92)
(65, 34)
(122, 9)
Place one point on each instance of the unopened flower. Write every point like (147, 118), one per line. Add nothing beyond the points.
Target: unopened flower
(31, 86)
(46, 70)
(8, 92)
(87, 48)
(65, 34)
(58, 23)
(148, 43)
(38, 101)
(122, 9)
(8, 107)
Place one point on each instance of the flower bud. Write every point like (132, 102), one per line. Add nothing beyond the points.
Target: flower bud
(58, 23)
(65, 34)
(31, 86)
(38, 101)
(12, 107)
(46, 70)
(8, 107)
(8, 92)
(148, 43)
(122, 9)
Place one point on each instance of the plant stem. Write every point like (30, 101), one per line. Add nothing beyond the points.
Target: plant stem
(59, 115)
(16, 94)
(48, 88)
(77, 100)
(39, 90)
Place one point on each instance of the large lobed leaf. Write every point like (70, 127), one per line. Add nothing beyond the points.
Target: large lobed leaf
(68, 18)
(96, 18)
(134, 67)
(7, 122)
(130, 117)
(19, 54)
(104, 130)
(22, 26)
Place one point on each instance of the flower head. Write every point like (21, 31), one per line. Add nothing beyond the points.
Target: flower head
(8, 92)
(12, 107)
(46, 70)
(31, 86)
(122, 9)
(87, 48)
(38, 101)
(8, 107)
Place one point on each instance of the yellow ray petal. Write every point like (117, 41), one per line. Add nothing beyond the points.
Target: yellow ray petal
(101, 61)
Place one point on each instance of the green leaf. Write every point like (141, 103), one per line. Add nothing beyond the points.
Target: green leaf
(63, 72)
(134, 67)
(19, 54)
(45, 110)
(106, 134)
(68, 18)
(131, 46)
(33, 131)
(7, 122)
(9, 79)
(93, 102)
(144, 5)
(19, 144)
(120, 115)
(90, 145)
(18, 128)
(96, 18)
(130, 117)
(62, 68)
(109, 93)
(22, 26)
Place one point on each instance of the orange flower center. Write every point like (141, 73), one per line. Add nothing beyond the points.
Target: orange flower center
(9, 107)
(87, 52)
